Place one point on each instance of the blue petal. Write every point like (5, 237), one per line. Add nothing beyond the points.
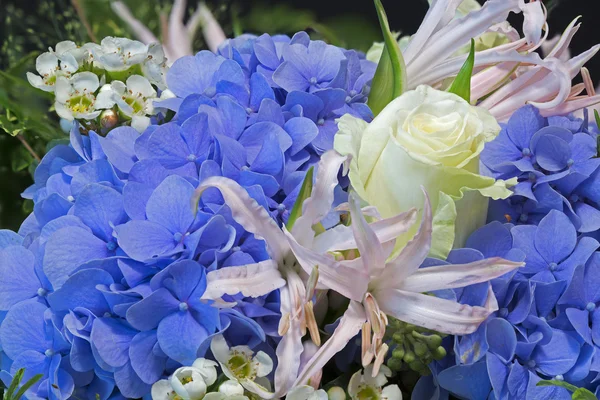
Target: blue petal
(80, 291)
(100, 208)
(23, 329)
(523, 124)
(196, 134)
(498, 374)
(311, 105)
(149, 312)
(501, 339)
(144, 240)
(112, 340)
(558, 356)
(580, 319)
(9, 238)
(302, 131)
(98, 171)
(582, 367)
(169, 205)
(119, 147)
(18, 281)
(259, 90)
(146, 365)
(189, 336)
(189, 75)
(556, 237)
(166, 146)
(552, 153)
(69, 248)
(129, 384)
(52, 207)
(255, 136)
(467, 381)
(590, 217)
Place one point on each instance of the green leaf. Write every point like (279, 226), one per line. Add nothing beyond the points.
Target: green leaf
(27, 385)
(563, 384)
(21, 159)
(304, 194)
(389, 81)
(462, 84)
(15, 383)
(583, 394)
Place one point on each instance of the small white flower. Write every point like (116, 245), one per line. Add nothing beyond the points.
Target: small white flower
(134, 98)
(50, 67)
(206, 368)
(188, 383)
(75, 97)
(119, 54)
(83, 54)
(229, 390)
(240, 364)
(306, 393)
(155, 67)
(366, 387)
(162, 390)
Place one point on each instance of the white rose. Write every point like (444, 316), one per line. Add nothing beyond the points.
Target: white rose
(428, 138)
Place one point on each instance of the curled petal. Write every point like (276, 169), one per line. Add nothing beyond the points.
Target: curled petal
(178, 40)
(349, 326)
(251, 280)
(342, 238)
(319, 203)
(350, 282)
(248, 213)
(456, 276)
(212, 31)
(534, 20)
(434, 313)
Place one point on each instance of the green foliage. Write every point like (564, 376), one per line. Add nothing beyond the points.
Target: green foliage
(578, 393)
(305, 192)
(390, 77)
(10, 392)
(462, 84)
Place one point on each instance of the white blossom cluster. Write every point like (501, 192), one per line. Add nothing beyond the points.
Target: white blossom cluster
(113, 83)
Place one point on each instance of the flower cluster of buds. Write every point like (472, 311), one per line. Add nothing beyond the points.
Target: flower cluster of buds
(104, 85)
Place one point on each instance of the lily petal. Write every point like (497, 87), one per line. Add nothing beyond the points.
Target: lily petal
(140, 30)
(458, 275)
(319, 203)
(367, 242)
(248, 213)
(434, 313)
(412, 255)
(349, 326)
(351, 283)
(342, 238)
(251, 280)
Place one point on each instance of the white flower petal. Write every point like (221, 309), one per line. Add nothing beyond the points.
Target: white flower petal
(63, 89)
(46, 64)
(139, 84)
(265, 364)
(251, 280)
(367, 242)
(456, 276)
(106, 98)
(342, 238)
(248, 213)
(37, 82)
(231, 388)
(352, 283)
(391, 392)
(140, 123)
(349, 326)
(85, 82)
(63, 111)
(220, 351)
(206, 368)
(194, 388)
(162, 390)
(318, 205)
(434, 313)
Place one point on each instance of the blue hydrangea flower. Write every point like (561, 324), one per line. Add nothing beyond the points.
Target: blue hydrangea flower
(556, 164)
(530, 337)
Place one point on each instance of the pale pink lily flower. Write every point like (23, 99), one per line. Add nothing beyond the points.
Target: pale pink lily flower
(375, 286)
(521, 74)
(177, 36)
(395, 288)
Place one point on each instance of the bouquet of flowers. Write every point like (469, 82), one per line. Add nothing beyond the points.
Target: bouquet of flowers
(279, 217)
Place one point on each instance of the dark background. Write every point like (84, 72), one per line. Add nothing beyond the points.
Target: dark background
(30, 26)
